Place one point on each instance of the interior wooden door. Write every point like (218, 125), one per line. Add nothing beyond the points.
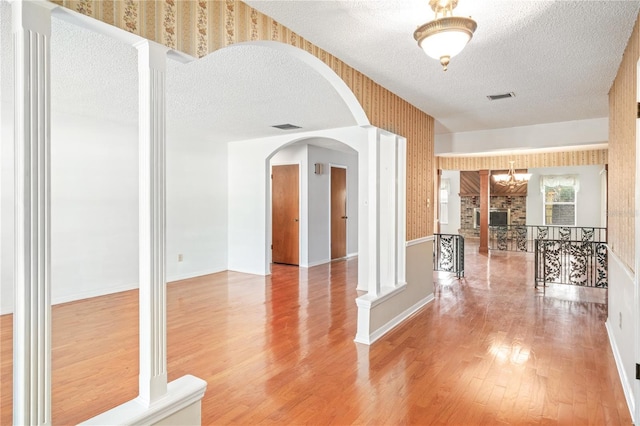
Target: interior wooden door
(338, 212)
(285, 231)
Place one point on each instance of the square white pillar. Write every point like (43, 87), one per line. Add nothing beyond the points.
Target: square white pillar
(31, 25)
(152, 227)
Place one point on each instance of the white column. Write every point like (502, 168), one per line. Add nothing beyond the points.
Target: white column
(401, 213)
(153, 316)
(32, 311)
(373, 167)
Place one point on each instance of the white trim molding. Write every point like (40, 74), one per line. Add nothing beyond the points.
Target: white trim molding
(624, 380)
(182, 406)
(422, 240)
(31, 26)
(152, 59)
(368, 336)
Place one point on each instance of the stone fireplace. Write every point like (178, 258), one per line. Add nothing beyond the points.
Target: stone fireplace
(496, 217)
(510, 208)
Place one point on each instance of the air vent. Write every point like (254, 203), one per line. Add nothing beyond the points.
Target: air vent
(502, 96)
(286, 126)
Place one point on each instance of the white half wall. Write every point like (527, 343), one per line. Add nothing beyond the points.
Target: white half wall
(588, 199)
(377, 316)
(621, 323)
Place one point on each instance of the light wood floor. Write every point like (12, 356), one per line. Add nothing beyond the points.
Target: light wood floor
(279, 350)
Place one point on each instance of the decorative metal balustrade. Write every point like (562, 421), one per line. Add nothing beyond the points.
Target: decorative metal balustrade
(448, 254)
(523, 237)
(582, 263)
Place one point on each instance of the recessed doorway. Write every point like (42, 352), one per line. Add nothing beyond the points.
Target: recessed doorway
(338, 212)
(285, 214)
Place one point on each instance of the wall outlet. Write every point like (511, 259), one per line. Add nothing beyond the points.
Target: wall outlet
(180, 258)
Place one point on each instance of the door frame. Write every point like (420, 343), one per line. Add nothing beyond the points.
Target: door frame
(346, 236)
(301, 219)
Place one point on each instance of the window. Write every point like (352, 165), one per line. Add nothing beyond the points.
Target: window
(444, 201)
(559, 199)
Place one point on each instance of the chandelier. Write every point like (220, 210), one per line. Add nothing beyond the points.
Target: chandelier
(446, 35)
(512, 179)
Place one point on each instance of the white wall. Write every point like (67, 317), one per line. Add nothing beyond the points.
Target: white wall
(454, 202)
(588, 198)
(320, 202)
(94, 189)
(94, 207)
(196, 205)
(249, 226)
(315, 198)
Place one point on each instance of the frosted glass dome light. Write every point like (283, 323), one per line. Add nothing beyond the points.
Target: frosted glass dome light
(447, 35)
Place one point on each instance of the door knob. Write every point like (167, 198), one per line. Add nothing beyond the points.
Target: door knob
(344, 217)
(295, 220)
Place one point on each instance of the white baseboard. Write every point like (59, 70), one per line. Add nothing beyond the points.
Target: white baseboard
(324, 261)
(187, 275)
(92, 293)
(397, 320)
(626, 384)
(8, 308)
(318, 262)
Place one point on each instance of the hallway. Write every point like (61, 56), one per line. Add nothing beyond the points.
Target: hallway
(280, 350)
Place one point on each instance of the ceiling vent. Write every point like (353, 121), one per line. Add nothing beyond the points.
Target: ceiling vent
(502, 96)
(286, 126)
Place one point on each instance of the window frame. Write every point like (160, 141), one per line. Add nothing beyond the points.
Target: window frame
(553, 181)
(445, 186)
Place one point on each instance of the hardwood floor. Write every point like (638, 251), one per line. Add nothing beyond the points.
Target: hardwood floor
(280, 350)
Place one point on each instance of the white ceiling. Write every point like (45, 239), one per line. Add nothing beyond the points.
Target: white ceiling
(558, 57)
(235, 93)
(232, 94)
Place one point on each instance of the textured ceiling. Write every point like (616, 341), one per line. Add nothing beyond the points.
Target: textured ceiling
(558, 57)
(235, 93)
(241, 91)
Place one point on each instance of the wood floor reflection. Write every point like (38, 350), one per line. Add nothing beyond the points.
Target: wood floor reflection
(279, 350)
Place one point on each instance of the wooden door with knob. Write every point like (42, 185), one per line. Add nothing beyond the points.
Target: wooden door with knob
(338, 212)
(285, 222)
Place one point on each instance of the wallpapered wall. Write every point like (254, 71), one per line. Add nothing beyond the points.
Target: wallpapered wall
(203, 26)
(622, 153)
(525, 161)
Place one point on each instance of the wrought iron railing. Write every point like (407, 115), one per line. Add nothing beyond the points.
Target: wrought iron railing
(523, 237)
(448, 253)
(581, 263)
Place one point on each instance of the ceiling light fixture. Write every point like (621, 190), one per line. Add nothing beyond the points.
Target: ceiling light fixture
(512, 179)
(446, 35)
